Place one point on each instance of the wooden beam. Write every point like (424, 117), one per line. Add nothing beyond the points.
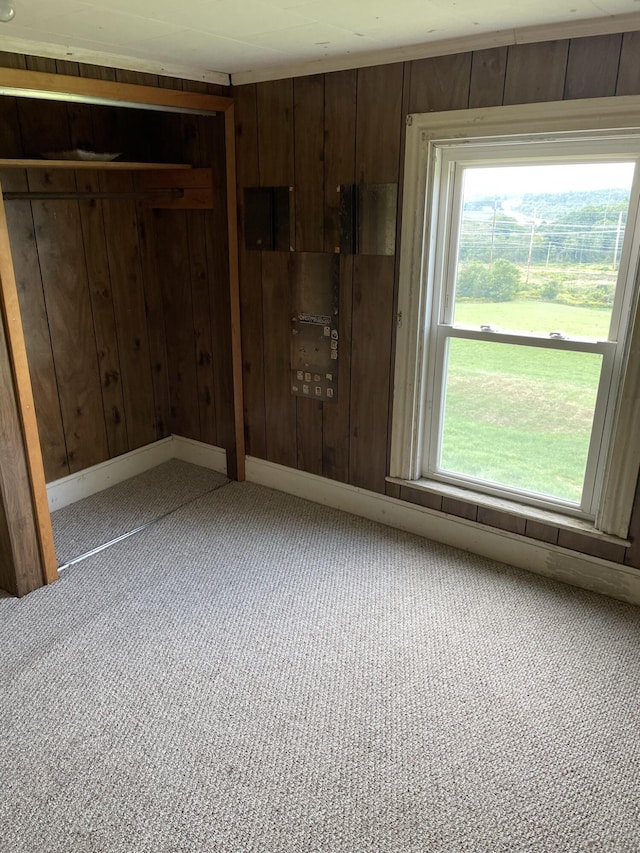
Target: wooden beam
(40, 84)
(94, 165)
(196, 186)
(10, 310)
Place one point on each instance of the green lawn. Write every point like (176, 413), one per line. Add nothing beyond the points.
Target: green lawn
(522, 415)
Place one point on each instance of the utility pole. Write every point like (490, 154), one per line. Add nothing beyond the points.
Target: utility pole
(533, 229)
(618, 231)
(493, 228)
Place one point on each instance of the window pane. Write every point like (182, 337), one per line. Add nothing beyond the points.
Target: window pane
(539, 247)
(519, 416)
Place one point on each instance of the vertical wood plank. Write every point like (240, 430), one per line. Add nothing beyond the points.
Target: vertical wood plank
(247, 175)
(379, 96)
(339, 168)
(222, 260)
(155, 323)
(18, 401)
(628, 82)
(488, 70)
(276, 161)
(440, 83)
(20, 561)
(592, 67)
(195, 130)
(121, 231)
(201, 301)
(104, 322)
(308, 103)
(172, 252)
(36, 330)
(82, 135)
(280, 405)
(63, 272)
(340, 94)
(536, 72)
(370, 370)
(308, 106)
(275, 132)
(64, 276)
(377, 161)
(336, 416)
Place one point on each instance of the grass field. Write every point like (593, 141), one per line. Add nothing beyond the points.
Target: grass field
(521, 415)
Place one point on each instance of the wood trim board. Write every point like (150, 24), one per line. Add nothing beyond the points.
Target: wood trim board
(24, 398)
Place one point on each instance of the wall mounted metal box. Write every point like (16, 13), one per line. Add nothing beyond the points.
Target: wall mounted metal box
(315, 290)
(368, 218)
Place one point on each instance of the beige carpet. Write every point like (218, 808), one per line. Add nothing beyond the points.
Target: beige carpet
(80, 527)
(258, 673)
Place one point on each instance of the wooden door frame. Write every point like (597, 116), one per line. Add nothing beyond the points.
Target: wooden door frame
(35, 84)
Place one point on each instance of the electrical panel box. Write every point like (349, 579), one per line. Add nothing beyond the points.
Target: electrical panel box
(315, 290)
(267, 218)
(368, 219)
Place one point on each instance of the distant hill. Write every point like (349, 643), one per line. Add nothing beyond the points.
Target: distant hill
(552, 207)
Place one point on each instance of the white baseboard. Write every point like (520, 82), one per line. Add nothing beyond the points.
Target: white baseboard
(198, 453)
(85, 483)
(542, 558)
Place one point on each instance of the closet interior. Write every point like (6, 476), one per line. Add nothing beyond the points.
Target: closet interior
(119, 289)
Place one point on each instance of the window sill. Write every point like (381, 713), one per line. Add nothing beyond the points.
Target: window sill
(518, 510)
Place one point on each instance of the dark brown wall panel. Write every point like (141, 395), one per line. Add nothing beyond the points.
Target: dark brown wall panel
(248, 175)
(129, 306)
(213, 152)
(536, 72)
(280, 405)
(60, 246)
(172, 253)
(440, 83)
(592, 68)
(488, 69)
(99, 287)
(629, 67)
(308, 105)
(104, 322)
(276, 157)
(340, 104)
(36, 329)
(364, 114)
(370, 370)
(20, 565)
(377, 161)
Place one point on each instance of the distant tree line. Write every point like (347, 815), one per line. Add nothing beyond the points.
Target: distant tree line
(586, 234)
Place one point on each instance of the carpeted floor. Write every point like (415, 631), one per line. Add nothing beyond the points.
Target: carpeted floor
(259, 673)
(83, 526)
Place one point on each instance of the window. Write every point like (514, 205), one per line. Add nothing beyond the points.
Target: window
(517, 291)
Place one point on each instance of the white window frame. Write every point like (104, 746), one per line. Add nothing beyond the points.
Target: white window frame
(428, 135)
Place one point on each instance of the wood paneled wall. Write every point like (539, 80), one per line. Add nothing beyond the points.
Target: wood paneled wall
(125, 309)
(314, 133)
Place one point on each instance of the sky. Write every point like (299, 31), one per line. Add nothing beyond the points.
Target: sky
(515, 181)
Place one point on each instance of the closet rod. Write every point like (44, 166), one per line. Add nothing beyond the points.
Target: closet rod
(79, 196)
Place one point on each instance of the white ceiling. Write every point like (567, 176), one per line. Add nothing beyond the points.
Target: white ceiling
(264, 39)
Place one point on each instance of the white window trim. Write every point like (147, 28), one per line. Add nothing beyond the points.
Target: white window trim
(621, 115)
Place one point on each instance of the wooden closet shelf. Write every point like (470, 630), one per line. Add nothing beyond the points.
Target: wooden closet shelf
(119, 165)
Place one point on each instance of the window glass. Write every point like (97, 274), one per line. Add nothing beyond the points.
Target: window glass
(519, 416)
(539, 247)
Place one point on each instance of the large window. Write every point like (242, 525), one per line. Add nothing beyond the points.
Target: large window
(517, 293)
